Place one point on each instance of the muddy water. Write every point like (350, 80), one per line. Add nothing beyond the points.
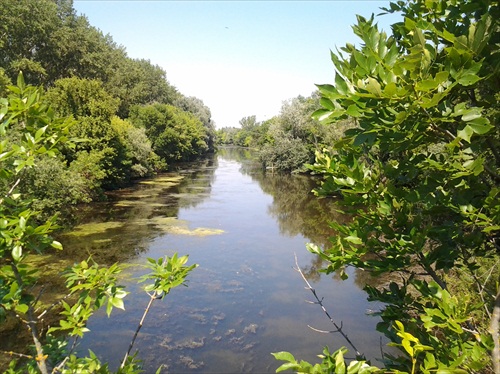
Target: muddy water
(244, 300)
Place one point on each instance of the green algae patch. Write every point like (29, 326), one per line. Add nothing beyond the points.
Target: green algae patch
(163, 181)
(93, 228)
(133, 203)
(166, 221)
(174, 226)
(97, 241)
(200, 231)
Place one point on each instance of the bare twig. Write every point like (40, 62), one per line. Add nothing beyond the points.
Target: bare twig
(11, 190)
(32, 326)
(63, 362)
(10, 353)
(51, 306)
(152, 298)
(495, 333)
(323, 331)
(320, 302)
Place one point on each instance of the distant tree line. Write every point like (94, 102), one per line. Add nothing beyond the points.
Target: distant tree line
(130, 121)
(288, 141)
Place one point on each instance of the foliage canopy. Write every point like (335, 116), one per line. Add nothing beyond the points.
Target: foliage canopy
(420, 170)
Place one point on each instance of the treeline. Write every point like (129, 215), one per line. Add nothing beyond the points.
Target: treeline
(129, 120)
(289, 140)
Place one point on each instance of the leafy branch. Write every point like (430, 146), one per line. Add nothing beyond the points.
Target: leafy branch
(166, 273)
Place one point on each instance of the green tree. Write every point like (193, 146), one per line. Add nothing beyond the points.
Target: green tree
(196, 107)
(30, 129)
(139, 150)
(80, 50)
(51, 42)
(175, 135)
(93, 108)
(138, 82)
(25, 44)
(420, 172)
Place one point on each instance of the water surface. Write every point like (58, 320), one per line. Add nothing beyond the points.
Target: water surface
(245, 300)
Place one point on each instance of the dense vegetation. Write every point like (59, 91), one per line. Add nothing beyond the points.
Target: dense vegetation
(112, 97)
(289, 140)
(84, 125)
(420, 172)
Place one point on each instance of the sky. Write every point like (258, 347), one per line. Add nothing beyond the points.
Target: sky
(241, 58)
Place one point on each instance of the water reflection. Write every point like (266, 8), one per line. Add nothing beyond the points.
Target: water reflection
(123, 226)
(245, 300)
(295, 208)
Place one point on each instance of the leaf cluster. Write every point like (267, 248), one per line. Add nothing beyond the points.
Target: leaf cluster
(419, 172)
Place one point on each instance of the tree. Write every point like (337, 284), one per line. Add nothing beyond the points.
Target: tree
(93, 108)
(196, 107)
(175, 135)
(138, 82)
(29, 129)
(24, 44)
(139, 150)
(420, 172)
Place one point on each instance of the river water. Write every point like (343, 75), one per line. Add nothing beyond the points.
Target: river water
(245, 300)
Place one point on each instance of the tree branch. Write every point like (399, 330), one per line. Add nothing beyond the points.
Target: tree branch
(151, 299)
(320, 302)
(10, 190)
(495, 333)
(32, 326)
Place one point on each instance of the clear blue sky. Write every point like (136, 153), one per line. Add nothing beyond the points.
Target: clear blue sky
(241, 58)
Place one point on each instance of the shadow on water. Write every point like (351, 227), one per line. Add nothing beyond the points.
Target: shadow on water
(242, 227)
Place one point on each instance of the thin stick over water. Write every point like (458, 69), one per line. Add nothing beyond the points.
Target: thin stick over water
(320, 302)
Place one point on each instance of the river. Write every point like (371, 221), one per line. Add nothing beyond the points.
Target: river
(245, 300)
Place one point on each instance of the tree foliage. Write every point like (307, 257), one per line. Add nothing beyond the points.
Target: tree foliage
(420, 171)
(31, 136)
(175, 135)
(93, 108)
(88, 76)
(287, 141)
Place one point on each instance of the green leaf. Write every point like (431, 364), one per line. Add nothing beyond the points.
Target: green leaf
(17, 252)
(287, 366)
(329, 91)
(118, 303)
(426, 85)
(57, 245)
(354, 111)
(340, 85)
(468, 79)
(373, 86)
(390, 89)
(21, 308)
(22, 223)
(340, 367)
(407, 346)
(284, 356)
(480, 126)
(354, 240)
(466, 133)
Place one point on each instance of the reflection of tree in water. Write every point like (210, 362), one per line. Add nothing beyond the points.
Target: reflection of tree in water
(298, 211)
(124, 225)
(197, 182)
(245, 156)
(294, 206)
